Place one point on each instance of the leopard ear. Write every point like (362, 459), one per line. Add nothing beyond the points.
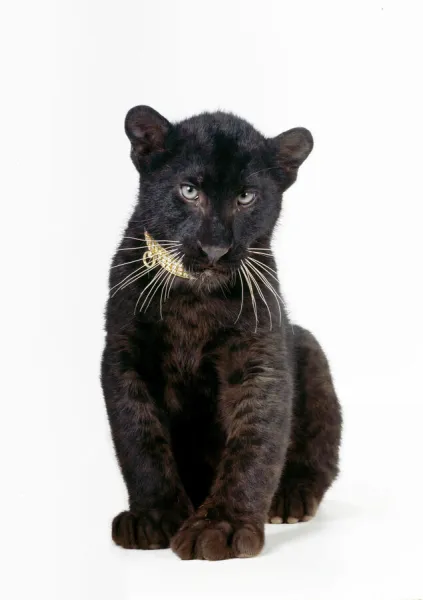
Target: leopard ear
(294, 146)
(147, 130)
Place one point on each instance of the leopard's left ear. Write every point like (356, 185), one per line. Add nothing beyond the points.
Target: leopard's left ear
(294, 146)
(147, 131)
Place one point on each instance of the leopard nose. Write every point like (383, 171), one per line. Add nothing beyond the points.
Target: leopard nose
(214, 253)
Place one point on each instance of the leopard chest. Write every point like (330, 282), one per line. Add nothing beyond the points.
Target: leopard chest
(184, 345)
(188, 363)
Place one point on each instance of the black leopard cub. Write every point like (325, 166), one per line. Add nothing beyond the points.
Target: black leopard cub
(223, 413)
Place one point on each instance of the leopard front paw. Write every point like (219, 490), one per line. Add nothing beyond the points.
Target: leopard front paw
(146, 530)
(218, 539)
(293, 503)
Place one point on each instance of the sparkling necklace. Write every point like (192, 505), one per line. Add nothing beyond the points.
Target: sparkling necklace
(157, 255)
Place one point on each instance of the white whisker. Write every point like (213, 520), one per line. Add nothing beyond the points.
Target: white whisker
(170, 250)
(269, 270)
(170, 287)
(129, 237)
(145, 246)
(271, 288)
(133, 248)
(163, 294)
(260, 293)
(153, 291)
(137, 274)
(159, 281)
(242, 294)
(126, 263)
(128, 277)
(147, 286)
(131, 278)
(261, 253)
(253, 300)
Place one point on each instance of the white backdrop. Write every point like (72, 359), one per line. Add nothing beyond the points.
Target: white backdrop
(349, 247)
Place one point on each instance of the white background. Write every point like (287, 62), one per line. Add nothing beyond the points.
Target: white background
(349, 249)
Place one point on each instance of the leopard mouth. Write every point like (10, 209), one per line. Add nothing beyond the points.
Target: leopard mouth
(209, 272)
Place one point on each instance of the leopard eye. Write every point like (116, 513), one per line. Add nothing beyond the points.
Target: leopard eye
(246, 198)
(189, 192)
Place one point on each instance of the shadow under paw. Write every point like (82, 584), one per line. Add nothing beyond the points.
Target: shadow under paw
(146, 530)
(202, 538)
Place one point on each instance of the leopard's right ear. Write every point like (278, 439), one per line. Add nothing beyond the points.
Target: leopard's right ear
(147, 130)
(292, 148)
